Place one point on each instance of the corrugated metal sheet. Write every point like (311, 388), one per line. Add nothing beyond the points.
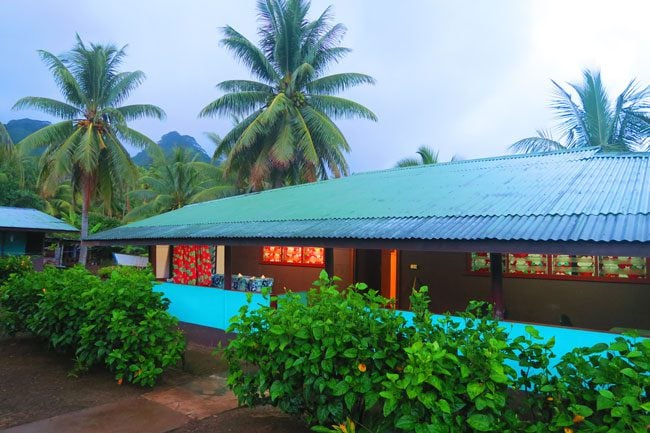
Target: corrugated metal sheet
(570, 196)
(31, 219)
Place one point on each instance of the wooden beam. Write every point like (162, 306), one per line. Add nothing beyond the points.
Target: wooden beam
(227, 267)
(496, 284)
(638, 249)
(389, 261)
(329, 261)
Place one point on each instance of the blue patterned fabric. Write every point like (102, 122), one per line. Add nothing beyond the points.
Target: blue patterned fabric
(243, 283)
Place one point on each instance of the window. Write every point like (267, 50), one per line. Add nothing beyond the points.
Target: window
(299, 256)
(564, 266)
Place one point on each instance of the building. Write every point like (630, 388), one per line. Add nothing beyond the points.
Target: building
(554, 238)
(22, 230)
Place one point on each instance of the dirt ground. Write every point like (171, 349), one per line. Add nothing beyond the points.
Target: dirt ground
(245, 420)
(35, 383)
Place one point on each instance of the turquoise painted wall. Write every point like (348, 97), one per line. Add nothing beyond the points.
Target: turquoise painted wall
(12, 243)
(206, 306)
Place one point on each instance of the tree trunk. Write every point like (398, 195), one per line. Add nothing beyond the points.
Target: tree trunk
(85, 205)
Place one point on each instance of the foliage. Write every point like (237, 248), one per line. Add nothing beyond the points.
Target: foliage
(86, 148)
(120, 322)
(604, 388)
(427, 156)
(345, 361)
(325, 360)
(16, 307)
(285, 132)
(14, 265)
(176, 180)
(594, 119)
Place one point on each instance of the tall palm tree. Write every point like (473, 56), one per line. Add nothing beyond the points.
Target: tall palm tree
(594, 119)
(86, 148)
(177, 180)
(427, 156)
(286, 132)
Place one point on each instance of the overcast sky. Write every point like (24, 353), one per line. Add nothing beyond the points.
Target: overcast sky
(467, 77)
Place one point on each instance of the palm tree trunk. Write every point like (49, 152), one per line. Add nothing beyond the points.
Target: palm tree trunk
(85, 205)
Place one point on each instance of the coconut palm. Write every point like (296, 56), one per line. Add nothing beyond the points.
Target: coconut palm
(593, 119)
(86, 148)
(177, 180)
(427, 156)
(287, 132)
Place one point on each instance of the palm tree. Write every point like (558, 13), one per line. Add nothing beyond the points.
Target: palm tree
(175, 181)
(86, 148)
(594, 120)
(427, 156)
(286, 132)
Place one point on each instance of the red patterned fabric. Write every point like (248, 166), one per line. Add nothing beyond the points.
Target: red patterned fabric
(192, 264)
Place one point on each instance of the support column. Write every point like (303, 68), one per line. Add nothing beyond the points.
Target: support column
(389, 274)
(227, 267)
(329, 261)
(496, 284)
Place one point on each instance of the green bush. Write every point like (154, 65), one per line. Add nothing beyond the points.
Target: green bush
(14, 265)
(604, 388)
(347, 361)
(120, 322)
(325, 360)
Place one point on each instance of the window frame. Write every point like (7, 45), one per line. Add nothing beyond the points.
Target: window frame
(550, 276)
(282, 262)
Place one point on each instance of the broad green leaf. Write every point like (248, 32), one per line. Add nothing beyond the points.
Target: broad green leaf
(481, 422)
(474, 389)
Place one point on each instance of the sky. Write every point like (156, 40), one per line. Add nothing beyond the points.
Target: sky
(464, 77)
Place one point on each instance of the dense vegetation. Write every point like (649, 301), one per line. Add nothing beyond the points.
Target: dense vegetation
(343, 359)
(119, 322)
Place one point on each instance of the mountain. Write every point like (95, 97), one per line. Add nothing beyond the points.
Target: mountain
(21, 128)
(168, 142)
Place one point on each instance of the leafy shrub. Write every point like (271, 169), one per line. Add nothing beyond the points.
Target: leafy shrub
(604, 388)
(347, 361)
(106, 271)
(14, 265)
(119, 322)
(455, 377)
(325, 360)
(127, 327)
(19, 296)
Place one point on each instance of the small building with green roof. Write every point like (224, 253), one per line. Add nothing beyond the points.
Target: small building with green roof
(553, 238)
(22, 230)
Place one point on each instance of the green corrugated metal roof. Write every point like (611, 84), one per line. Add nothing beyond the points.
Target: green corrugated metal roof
(572, 195)
(31, 219)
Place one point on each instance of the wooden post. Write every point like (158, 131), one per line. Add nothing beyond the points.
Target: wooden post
(152, 259)
(227, 267)
(496, 284)
(389, 259)
(329, 261)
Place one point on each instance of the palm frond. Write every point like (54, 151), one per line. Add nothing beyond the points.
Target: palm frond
(535, 145)
(120, 86)
(139, 111)
(244, 86)
(595, 108)
(51, 134)
(338, 83)
(341, 108)
(49, 106)
(237, 104)
(408, 162)
(249, 54)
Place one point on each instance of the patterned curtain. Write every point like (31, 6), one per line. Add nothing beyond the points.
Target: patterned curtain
(192, 264)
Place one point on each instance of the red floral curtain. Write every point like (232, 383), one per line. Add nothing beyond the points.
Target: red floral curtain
(192, 264)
